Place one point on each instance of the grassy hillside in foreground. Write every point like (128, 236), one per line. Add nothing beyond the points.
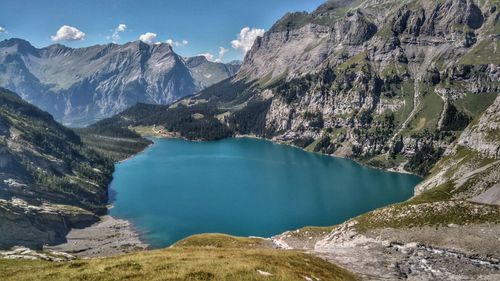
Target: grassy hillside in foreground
(202, 257)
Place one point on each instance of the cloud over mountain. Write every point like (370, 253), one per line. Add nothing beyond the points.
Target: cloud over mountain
(246, 38)
(173, 43)
(116, 33)
(222, 53)
(148, 37)
(68, 33)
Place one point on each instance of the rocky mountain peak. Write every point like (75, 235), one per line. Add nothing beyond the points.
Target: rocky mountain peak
(18, 45)
(55, 50)
(196, 61)
(82, 85)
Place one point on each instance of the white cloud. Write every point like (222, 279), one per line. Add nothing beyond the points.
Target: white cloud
(246, 38)
(121, 27)
(209, 56)
(68, 33)
(172, 43)
(222, 52)
(148, 37)
(3, 30)
(116, 33)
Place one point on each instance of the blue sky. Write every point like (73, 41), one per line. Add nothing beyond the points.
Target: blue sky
(206, 25)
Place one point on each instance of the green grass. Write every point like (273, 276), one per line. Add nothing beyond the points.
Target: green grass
(383, 162)
(475, 104)
(439, 205)
(483, 53)
(115, 148)
(214, 240)
(393, 68)
(436, 194)
(431, 106)
(406, 92)
(355, 61)
(194, 259)
(305, 233)
(426, 214)
(311, 146)
(462, 156)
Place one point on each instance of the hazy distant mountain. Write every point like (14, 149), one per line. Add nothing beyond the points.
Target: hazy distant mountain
(207, 73)
(79, 86)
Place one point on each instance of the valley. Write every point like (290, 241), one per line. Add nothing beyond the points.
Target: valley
(409, 86)
(243, 187)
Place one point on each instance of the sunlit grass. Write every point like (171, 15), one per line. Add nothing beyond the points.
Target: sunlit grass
(205, 257)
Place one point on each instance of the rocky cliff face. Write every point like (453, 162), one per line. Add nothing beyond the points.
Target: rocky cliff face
(49, 181)
(369, 78)
(469, 168)
(389, 83)
(80, 86)
(448, 231)
(483, 136)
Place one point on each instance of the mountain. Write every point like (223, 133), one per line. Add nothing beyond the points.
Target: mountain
(408, 86)
(80, 86)
(207, 73)
(391, 85)
(50, 181)
(449, 225)
(404, 85)
(363, 79)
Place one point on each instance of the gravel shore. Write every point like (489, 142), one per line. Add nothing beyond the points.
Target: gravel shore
(110, 236)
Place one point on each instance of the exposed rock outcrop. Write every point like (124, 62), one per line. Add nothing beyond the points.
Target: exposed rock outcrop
(389, 83)
(373, 80)
(484, 136)
(49, 181)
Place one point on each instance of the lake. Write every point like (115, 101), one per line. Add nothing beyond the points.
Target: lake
(244, 187)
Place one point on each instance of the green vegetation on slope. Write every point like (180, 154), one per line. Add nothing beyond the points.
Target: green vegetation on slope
(475, 104)
(326, 15)
(116, 143)
(197, 122)
(485, 52)
(444, 204)
(51, 156)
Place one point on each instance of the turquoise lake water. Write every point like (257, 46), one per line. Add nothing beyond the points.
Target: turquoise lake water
(245, 187)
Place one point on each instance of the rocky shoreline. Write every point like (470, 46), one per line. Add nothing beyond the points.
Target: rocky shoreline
(451, 252)
(398, 169)
(109, 236)
(112, 236)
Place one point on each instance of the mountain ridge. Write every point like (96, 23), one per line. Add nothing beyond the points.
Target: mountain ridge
(82, 85)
